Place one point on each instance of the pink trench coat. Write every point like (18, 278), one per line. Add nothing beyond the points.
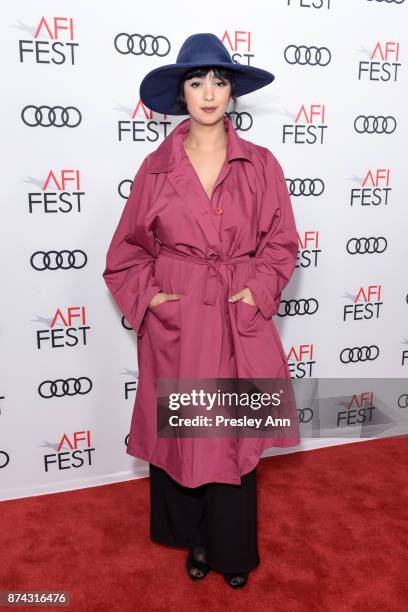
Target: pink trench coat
(172, 238)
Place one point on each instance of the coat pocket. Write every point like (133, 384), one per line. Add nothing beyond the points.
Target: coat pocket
(168, 313)
(246, 314)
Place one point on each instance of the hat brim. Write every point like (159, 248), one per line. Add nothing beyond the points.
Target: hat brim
(158, 89)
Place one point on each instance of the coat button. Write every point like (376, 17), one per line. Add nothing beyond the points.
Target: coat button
(217, 210)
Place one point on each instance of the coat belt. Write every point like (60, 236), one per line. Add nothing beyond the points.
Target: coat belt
(213, 260)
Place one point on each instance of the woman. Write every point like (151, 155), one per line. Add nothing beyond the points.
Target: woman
(204, 247)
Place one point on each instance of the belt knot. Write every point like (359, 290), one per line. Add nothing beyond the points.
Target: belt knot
(213, 259)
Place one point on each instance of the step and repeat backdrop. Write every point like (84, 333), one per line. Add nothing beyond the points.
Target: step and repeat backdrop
(74, 133)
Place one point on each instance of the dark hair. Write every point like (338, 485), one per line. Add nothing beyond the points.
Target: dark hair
(221, 73)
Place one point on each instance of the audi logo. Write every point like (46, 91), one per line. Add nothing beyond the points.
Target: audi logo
(366, 245)
(314, 56)
(241, 121)
(370, 124)
(139, 44)
(60, 387)
(4, 459)
(298, 307)
(305, 187)
(390, 1)
(126, 324)
(125, 193)
(46, 116)
(403, 401)
(359, 353)
(41, 260)
(305, 415)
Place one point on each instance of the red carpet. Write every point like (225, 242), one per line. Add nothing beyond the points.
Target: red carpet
(333, 536)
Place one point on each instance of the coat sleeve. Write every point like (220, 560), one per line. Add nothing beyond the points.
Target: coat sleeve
(278, 242)
(129, 271)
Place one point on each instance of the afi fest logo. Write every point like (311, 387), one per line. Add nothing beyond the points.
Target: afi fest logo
(57, 48)
(358, 411)
(374, 189)
(404, 354)
(308, 127)
(72, 330)
(238, 43)
(309, 249)
(366, 304)
(59, 193)
(78, 455)
(310, 4)
(130, 388)
(141, 127)
(383, 64)
(301, 360)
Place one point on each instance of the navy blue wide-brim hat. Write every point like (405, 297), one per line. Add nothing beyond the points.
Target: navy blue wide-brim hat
(158, 89)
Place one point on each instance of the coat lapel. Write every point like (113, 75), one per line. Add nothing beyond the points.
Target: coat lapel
(190, 190)
(169, 158)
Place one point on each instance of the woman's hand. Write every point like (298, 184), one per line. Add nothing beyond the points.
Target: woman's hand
(163, 297)
(245, 295)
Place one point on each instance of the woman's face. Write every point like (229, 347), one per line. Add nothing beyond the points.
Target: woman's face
(208, 91)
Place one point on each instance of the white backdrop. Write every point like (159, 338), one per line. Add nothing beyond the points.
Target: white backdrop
(58, 324)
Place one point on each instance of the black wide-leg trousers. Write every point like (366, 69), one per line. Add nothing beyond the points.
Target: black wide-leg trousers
(221, 517)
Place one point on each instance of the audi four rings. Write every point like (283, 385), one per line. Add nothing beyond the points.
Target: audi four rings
(41, 260)
(298, 307)
(241, 121)
(142, 44)
(403, 401)
(305, 186)
(313, 56)
(369, 124)
(366, 245)
(47, 116)
(60, 387)
(305, 415)
(359, 353)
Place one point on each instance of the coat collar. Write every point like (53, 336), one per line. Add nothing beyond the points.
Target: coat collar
(167, 155)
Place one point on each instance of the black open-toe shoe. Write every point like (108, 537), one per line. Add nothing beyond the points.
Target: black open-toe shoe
(197, 566)
(237, 580)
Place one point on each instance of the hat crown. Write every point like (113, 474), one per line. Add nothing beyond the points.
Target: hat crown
(203, 47)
